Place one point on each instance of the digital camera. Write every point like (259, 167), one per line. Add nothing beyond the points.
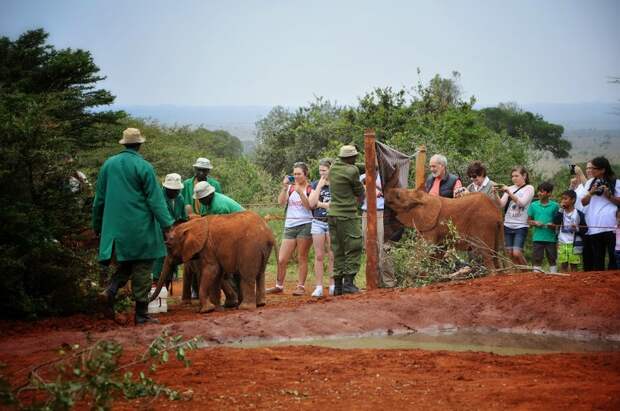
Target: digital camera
(600, 185)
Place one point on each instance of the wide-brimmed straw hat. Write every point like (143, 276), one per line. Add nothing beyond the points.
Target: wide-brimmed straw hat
(347, 151)
(203, 189)
(132, 136)
(203, 163)
(173, 181)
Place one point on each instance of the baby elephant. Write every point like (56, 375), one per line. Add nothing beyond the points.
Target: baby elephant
(234, 243)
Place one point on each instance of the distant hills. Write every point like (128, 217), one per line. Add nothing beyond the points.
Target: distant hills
(240, 120)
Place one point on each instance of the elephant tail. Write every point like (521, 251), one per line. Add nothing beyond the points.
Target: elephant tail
(163, 278)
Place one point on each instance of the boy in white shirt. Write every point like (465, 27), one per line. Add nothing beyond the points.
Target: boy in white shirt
(571, 225)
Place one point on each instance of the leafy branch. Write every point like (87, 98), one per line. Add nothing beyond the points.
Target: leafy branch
(94, 375)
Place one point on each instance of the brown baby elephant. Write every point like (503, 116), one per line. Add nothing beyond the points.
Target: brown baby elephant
(238, 243)
(475, 217)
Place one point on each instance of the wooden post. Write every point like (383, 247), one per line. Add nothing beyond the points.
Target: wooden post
(372, 278)
(420, 168)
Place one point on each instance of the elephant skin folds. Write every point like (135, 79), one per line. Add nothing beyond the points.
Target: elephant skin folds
(304, 377)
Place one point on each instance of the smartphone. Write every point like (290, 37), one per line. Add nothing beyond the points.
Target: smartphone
(291, 179)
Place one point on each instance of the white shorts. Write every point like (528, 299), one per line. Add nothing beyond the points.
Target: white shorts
(319, 227)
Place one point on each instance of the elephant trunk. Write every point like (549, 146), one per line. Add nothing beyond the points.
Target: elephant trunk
(163, 277)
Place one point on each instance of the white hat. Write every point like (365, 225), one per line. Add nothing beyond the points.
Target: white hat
(203, 163)
(203, 189)
(173, 182)
(347, 151)
(132, 136)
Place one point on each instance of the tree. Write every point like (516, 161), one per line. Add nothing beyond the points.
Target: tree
(523, 124)
(46, 102)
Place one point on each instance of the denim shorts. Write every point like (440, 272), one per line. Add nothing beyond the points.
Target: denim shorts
(299, 231)
(319, 227)
(514, 238)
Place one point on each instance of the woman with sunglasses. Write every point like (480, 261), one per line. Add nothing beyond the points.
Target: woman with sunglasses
(601, 203)
(297, 224)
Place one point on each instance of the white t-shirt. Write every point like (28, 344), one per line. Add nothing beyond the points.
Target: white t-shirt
(580, 191)
(567, 232)
(380, 199)
(516, 215)
(296, 213)
(601, 213)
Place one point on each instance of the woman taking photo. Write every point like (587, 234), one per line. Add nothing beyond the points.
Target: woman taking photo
(515, 201)
(294, 196)
(319, 201)
(602, 200)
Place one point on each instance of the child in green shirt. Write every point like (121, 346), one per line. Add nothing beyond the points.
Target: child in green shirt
(541, 213)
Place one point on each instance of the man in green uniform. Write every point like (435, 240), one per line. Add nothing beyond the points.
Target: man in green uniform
(213, 202)
(202, 168)
(345, 229)
(129, 213)
(171, 188)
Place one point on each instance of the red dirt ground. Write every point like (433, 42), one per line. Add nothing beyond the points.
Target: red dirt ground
(582, 305)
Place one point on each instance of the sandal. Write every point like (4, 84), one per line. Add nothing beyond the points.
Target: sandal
(274, 290)
(300, 290)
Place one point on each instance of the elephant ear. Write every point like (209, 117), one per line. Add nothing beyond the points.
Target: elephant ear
(423, 213)
(193, 238)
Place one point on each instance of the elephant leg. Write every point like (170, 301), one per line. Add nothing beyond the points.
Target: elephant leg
(232, 299)
(260, 288)
(208, 278)
(248, 290)
(188, 273)
(215, 292)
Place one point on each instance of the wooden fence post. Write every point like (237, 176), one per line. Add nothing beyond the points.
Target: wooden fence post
(420, 168)
(370, 156)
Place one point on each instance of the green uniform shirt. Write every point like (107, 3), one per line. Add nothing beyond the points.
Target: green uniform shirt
(129, 209)
(222, 204)
(543, 213)
(345, 188)
(176, 206)
(188, 193)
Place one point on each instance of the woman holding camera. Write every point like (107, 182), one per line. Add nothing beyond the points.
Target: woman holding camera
(516, 200)
(294, 196)
(602, 200)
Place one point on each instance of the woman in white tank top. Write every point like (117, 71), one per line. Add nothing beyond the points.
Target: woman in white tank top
(294, 195)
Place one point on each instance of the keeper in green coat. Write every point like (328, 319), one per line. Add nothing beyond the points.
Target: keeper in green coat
(171, 189)
(213, 202)
(130, 213)
(202, 168)
(345, 228)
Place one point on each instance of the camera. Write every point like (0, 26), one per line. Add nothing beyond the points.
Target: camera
(291, 179)
(571, 169)
(600, 185)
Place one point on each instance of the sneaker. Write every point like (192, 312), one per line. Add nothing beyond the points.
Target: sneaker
(331, 289)
(274, 290)
(318, 292)
(299, 290)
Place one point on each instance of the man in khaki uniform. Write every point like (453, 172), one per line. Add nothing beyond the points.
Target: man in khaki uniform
(344, 223)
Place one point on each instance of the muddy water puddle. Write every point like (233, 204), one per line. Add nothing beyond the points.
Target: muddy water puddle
(501, 343)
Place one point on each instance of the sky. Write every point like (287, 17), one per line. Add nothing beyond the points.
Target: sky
(271, 52)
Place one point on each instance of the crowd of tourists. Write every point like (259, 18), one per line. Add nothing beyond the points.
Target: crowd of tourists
(131, 209)
(577, 228)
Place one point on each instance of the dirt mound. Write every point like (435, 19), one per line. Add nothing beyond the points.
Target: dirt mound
(581, 305)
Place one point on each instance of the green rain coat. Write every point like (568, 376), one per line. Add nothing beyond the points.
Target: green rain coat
(176, 206)
(188, 194)
(129, 209)
(222, 204)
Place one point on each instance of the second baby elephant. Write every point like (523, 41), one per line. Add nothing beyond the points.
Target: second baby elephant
(238, 243)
